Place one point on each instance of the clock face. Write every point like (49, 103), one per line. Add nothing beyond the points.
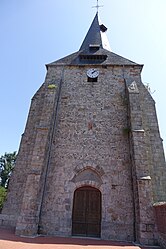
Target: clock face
(92, 73)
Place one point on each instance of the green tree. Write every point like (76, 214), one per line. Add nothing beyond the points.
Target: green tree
(7, 162)
(3, 193)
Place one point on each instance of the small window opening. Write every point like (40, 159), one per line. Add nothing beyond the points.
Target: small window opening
(94, 47)
(103, 28)
(92, 79)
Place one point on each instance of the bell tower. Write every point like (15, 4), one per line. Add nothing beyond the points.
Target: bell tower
(91, 160)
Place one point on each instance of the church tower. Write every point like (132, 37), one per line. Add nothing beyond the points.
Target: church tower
(91, 160)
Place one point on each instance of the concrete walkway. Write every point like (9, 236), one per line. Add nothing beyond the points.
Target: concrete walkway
(8, 240)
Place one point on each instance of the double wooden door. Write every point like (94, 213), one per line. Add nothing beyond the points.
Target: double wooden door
(86, 218)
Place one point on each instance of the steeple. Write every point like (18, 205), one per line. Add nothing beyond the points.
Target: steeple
(95, 49)
(96, 36)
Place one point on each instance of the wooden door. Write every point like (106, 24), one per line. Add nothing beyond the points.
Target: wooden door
(86, 218)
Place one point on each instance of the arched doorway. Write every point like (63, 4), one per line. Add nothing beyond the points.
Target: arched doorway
(86, 217)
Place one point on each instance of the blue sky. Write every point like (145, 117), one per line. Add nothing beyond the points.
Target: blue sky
(36, 32)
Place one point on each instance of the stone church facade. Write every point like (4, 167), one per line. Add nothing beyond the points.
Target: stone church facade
(91, 160)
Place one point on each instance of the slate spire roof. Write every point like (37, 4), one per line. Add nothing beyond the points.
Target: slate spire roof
(95, 49)
(96, 35)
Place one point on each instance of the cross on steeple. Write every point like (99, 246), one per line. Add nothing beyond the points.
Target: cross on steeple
(97, 6)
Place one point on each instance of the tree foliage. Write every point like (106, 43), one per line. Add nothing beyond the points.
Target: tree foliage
(7, 162)
(3, 193)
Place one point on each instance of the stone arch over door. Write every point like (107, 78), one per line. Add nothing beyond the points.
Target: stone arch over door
(86, 213)
(87, 176)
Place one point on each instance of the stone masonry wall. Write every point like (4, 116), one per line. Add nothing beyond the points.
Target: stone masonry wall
(90, 140)
(160, 215)
(101, 134)
(12, 206)
(141, 172)
(154, 146)
(22, 207)
(149, 171)
(28, 220)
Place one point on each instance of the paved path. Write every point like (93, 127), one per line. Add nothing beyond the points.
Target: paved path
(8, 240)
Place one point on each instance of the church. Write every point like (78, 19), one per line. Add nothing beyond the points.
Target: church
(91, 160)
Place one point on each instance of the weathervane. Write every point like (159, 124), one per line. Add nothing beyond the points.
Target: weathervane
(97, 6)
